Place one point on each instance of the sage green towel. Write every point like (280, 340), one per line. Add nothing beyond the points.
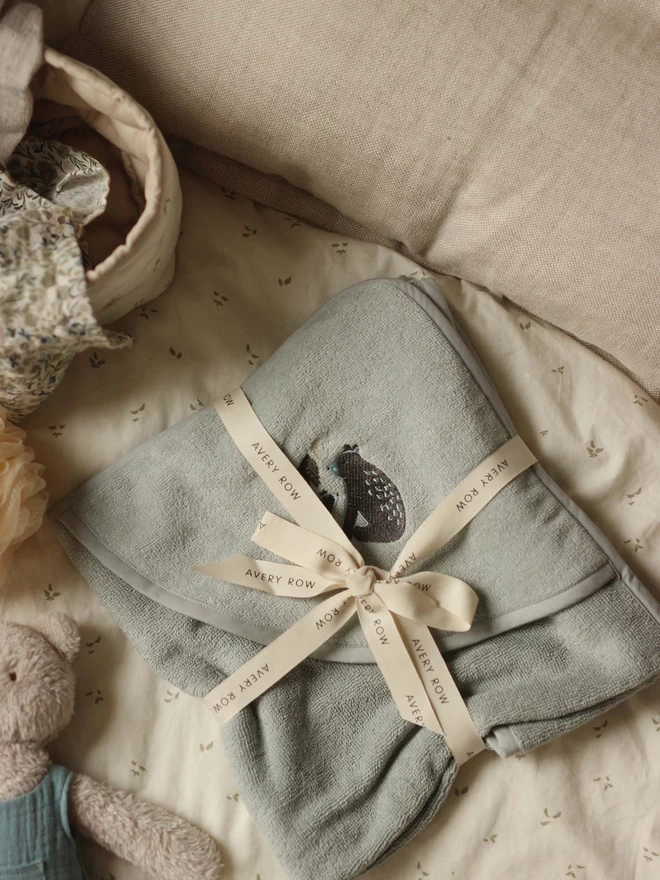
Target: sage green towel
(378, 385)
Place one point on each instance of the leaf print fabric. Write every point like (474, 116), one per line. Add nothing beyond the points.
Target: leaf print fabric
(48, 193)
(225, 297)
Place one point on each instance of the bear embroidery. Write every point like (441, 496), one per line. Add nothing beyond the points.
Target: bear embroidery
(374, 507)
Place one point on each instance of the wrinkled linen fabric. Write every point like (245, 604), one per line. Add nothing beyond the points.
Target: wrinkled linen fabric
(513, 145)
(564, 629)
(21, 54)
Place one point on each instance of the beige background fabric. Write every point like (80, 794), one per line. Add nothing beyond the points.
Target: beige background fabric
(21, 51)
(584, 807)
(271, 190)
(512, 144)
(278, 193)
(61, 18)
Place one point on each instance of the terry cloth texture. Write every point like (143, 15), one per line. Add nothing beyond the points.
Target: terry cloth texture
(511, 144)
(564, 629)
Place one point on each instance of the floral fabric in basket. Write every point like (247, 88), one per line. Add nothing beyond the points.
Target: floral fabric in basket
(48, 194)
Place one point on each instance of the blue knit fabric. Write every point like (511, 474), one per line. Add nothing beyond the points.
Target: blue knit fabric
(35, 836)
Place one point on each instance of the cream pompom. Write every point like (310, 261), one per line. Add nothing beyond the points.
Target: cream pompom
(22, 499)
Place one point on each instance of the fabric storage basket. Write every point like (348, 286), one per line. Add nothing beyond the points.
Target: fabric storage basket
(143, 266)
(90, 208)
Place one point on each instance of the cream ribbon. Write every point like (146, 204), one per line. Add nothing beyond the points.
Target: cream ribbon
(395, 609)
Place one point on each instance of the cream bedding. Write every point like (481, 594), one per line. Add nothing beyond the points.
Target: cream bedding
(584, 807)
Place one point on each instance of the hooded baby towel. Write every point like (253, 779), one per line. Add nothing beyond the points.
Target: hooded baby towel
(381, 404)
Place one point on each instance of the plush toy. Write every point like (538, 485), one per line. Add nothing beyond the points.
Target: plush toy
(39, 800)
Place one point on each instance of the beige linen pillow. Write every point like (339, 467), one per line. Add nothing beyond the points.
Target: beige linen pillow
(513, 144)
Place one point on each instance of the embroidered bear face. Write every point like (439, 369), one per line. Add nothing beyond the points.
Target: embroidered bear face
(374, 509)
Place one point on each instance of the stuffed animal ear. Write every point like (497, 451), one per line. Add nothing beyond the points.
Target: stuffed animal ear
(61, 632)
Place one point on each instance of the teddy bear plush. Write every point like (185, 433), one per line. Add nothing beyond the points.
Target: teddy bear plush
(40, 802)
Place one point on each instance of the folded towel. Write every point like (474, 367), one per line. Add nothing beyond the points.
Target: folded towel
(378, 387)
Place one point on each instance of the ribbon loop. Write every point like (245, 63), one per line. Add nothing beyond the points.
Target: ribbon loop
(432, 598)
(306, 548)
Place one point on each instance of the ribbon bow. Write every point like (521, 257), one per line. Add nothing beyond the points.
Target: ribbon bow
(395, 609)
